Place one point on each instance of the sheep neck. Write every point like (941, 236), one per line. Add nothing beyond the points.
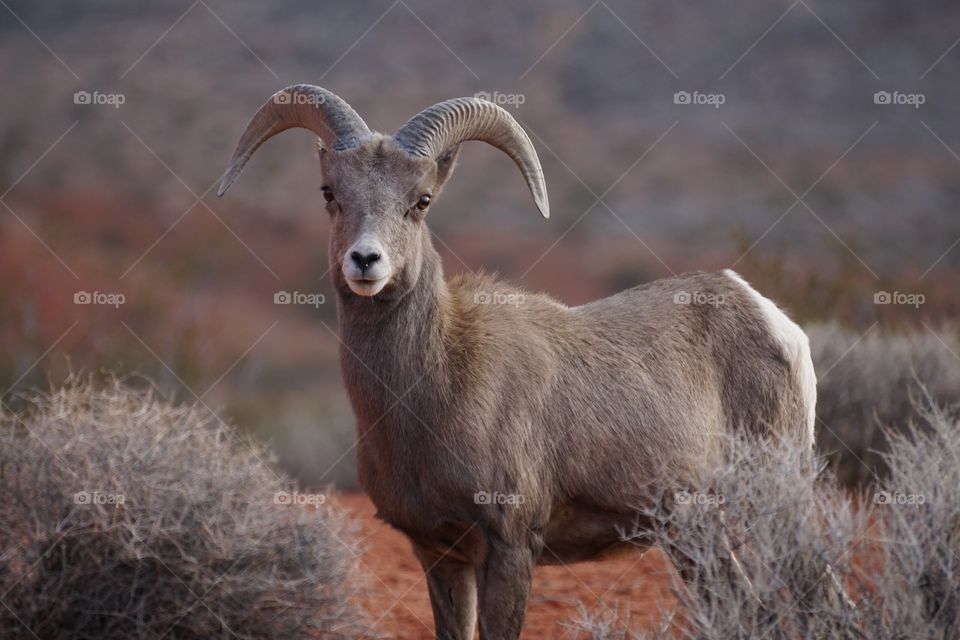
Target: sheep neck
(394, 349)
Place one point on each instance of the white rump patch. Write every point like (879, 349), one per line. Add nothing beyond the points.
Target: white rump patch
(796, 347)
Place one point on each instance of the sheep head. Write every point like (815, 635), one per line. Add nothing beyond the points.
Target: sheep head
(378, 188)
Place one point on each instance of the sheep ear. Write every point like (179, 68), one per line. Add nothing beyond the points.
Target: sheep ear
(445, 165)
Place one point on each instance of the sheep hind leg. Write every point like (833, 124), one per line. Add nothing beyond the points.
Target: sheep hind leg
(453, 595)
(504, 585)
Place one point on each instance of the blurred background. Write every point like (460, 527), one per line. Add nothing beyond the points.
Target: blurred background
(811, 145)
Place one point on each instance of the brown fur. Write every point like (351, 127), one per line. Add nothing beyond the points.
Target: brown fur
(580, 415)
(581, 411)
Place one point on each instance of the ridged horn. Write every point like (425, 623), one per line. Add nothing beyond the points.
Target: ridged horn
(445, 124)
(304, 106)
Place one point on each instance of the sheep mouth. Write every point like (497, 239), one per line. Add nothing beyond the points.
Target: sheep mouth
(366, 287)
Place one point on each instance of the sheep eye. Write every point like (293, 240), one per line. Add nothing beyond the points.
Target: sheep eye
(423, 202)
(327, 194)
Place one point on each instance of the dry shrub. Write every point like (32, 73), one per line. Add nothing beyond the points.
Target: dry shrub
(754, 542)
(918, 590)
(773, 550)
(867, 384)
(126, 516)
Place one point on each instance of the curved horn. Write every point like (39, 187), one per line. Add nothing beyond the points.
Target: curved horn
(300, 105)
(445, 124)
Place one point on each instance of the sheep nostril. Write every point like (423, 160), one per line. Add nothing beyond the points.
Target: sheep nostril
(364, 260)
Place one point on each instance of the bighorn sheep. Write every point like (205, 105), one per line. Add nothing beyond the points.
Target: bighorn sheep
(499, 429)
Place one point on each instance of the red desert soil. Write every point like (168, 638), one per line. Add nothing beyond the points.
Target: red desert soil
(635, 586)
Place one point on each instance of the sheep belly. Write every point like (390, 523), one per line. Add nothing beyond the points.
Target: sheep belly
(576, 534)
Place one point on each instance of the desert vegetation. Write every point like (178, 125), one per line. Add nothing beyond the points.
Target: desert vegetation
(127, 516)
(870, 383)
(818, 194)
(781, 550)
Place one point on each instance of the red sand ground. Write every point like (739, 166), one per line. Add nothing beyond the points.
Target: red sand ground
(635, 586)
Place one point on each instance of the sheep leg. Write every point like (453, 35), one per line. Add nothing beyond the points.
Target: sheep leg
(504, 586)
(453, 594)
